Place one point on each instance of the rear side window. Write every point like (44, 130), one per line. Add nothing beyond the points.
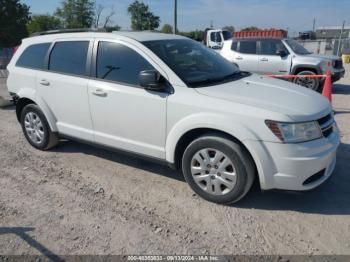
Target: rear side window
(69, 57)
(119, 63)
(34, 56)
(247, 47)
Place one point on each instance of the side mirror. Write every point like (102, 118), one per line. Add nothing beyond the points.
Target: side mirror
(151, 80)
(281, 53)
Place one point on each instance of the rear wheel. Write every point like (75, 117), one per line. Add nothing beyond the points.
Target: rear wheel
(36, 129)
(311, 83)
(218, 169)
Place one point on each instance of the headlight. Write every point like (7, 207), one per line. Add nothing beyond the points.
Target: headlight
(295, 132)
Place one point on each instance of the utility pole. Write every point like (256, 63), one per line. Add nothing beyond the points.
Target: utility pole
(313, 25)
(175, 17)
(340, 37)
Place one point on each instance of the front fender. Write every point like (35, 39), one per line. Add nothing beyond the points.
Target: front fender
(32, 95)
(206, 120)
(306, 66)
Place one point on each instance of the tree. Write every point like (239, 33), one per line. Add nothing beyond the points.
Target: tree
(167, 29)
(98, 12)
(76, 13)
(40, 23)
(229, 28)
(197, 35)
(251, 28)
(141, 17)
(13, 19)
(108, 18)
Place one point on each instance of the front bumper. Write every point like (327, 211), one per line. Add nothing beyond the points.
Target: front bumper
(302, 166)
(337, 74)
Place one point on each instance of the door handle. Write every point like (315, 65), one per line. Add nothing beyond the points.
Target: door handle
(239, 58)
(44, 82)
(99, 92)
(264, 59)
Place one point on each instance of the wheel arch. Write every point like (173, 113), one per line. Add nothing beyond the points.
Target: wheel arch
(193, 134)
(28, 96)
(21, 103)
(299, 68)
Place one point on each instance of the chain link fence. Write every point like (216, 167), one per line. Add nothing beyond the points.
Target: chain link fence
(327, 47)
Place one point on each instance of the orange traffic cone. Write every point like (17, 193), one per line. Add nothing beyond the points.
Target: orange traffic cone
(327, 88)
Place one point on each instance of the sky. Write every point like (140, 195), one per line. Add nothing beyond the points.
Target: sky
(294, 15)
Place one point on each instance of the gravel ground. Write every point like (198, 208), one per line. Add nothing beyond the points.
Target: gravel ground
(76, 199)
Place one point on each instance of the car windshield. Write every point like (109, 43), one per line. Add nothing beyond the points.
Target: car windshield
(194, 63)
(297, 48)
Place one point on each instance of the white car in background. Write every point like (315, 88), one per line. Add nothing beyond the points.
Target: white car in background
(171, 99)
(282, 57)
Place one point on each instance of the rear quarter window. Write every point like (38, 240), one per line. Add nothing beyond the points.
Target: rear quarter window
(33, 56)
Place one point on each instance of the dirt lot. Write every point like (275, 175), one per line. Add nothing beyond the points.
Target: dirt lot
(77, 199)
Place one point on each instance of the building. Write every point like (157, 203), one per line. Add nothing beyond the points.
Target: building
(332, 32)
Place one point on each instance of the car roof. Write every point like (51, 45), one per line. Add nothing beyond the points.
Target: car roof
(137, 36)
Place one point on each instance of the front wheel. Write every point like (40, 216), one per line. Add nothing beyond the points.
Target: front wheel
(311, 83)
(218, 169)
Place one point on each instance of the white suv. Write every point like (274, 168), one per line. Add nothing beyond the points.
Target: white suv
(172, 99)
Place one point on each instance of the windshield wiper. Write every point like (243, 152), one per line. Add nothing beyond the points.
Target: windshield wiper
(208, 81)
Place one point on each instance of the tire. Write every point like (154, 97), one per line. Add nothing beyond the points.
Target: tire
(36, 128)
(211, 186)
(313, 84)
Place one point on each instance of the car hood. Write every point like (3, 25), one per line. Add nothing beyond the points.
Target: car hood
(324, 57)
(279, 96)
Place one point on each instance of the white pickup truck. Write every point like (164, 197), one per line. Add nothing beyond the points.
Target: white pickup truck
(215, 38)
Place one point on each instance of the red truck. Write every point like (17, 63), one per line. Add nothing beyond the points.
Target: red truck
(269, 33)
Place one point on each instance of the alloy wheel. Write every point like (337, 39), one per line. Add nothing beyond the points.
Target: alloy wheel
(213, 171)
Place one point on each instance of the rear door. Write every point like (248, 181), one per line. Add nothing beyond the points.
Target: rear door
(63, 86)
(269, 61)
(246, 56)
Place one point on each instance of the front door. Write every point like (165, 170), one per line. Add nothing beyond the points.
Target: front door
(125, 115)
(246, 56)
(269, 61)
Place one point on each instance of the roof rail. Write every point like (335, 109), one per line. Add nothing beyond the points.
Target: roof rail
(75, 30)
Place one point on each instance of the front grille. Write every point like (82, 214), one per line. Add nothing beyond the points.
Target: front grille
(324, 119)
(314, 177)
(338, 64)
(326, 124)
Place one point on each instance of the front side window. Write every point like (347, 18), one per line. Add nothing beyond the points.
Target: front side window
(69, 57)
(247, 47)
(193, 62)
(271, 47)
(34, 56)
(119, 63)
